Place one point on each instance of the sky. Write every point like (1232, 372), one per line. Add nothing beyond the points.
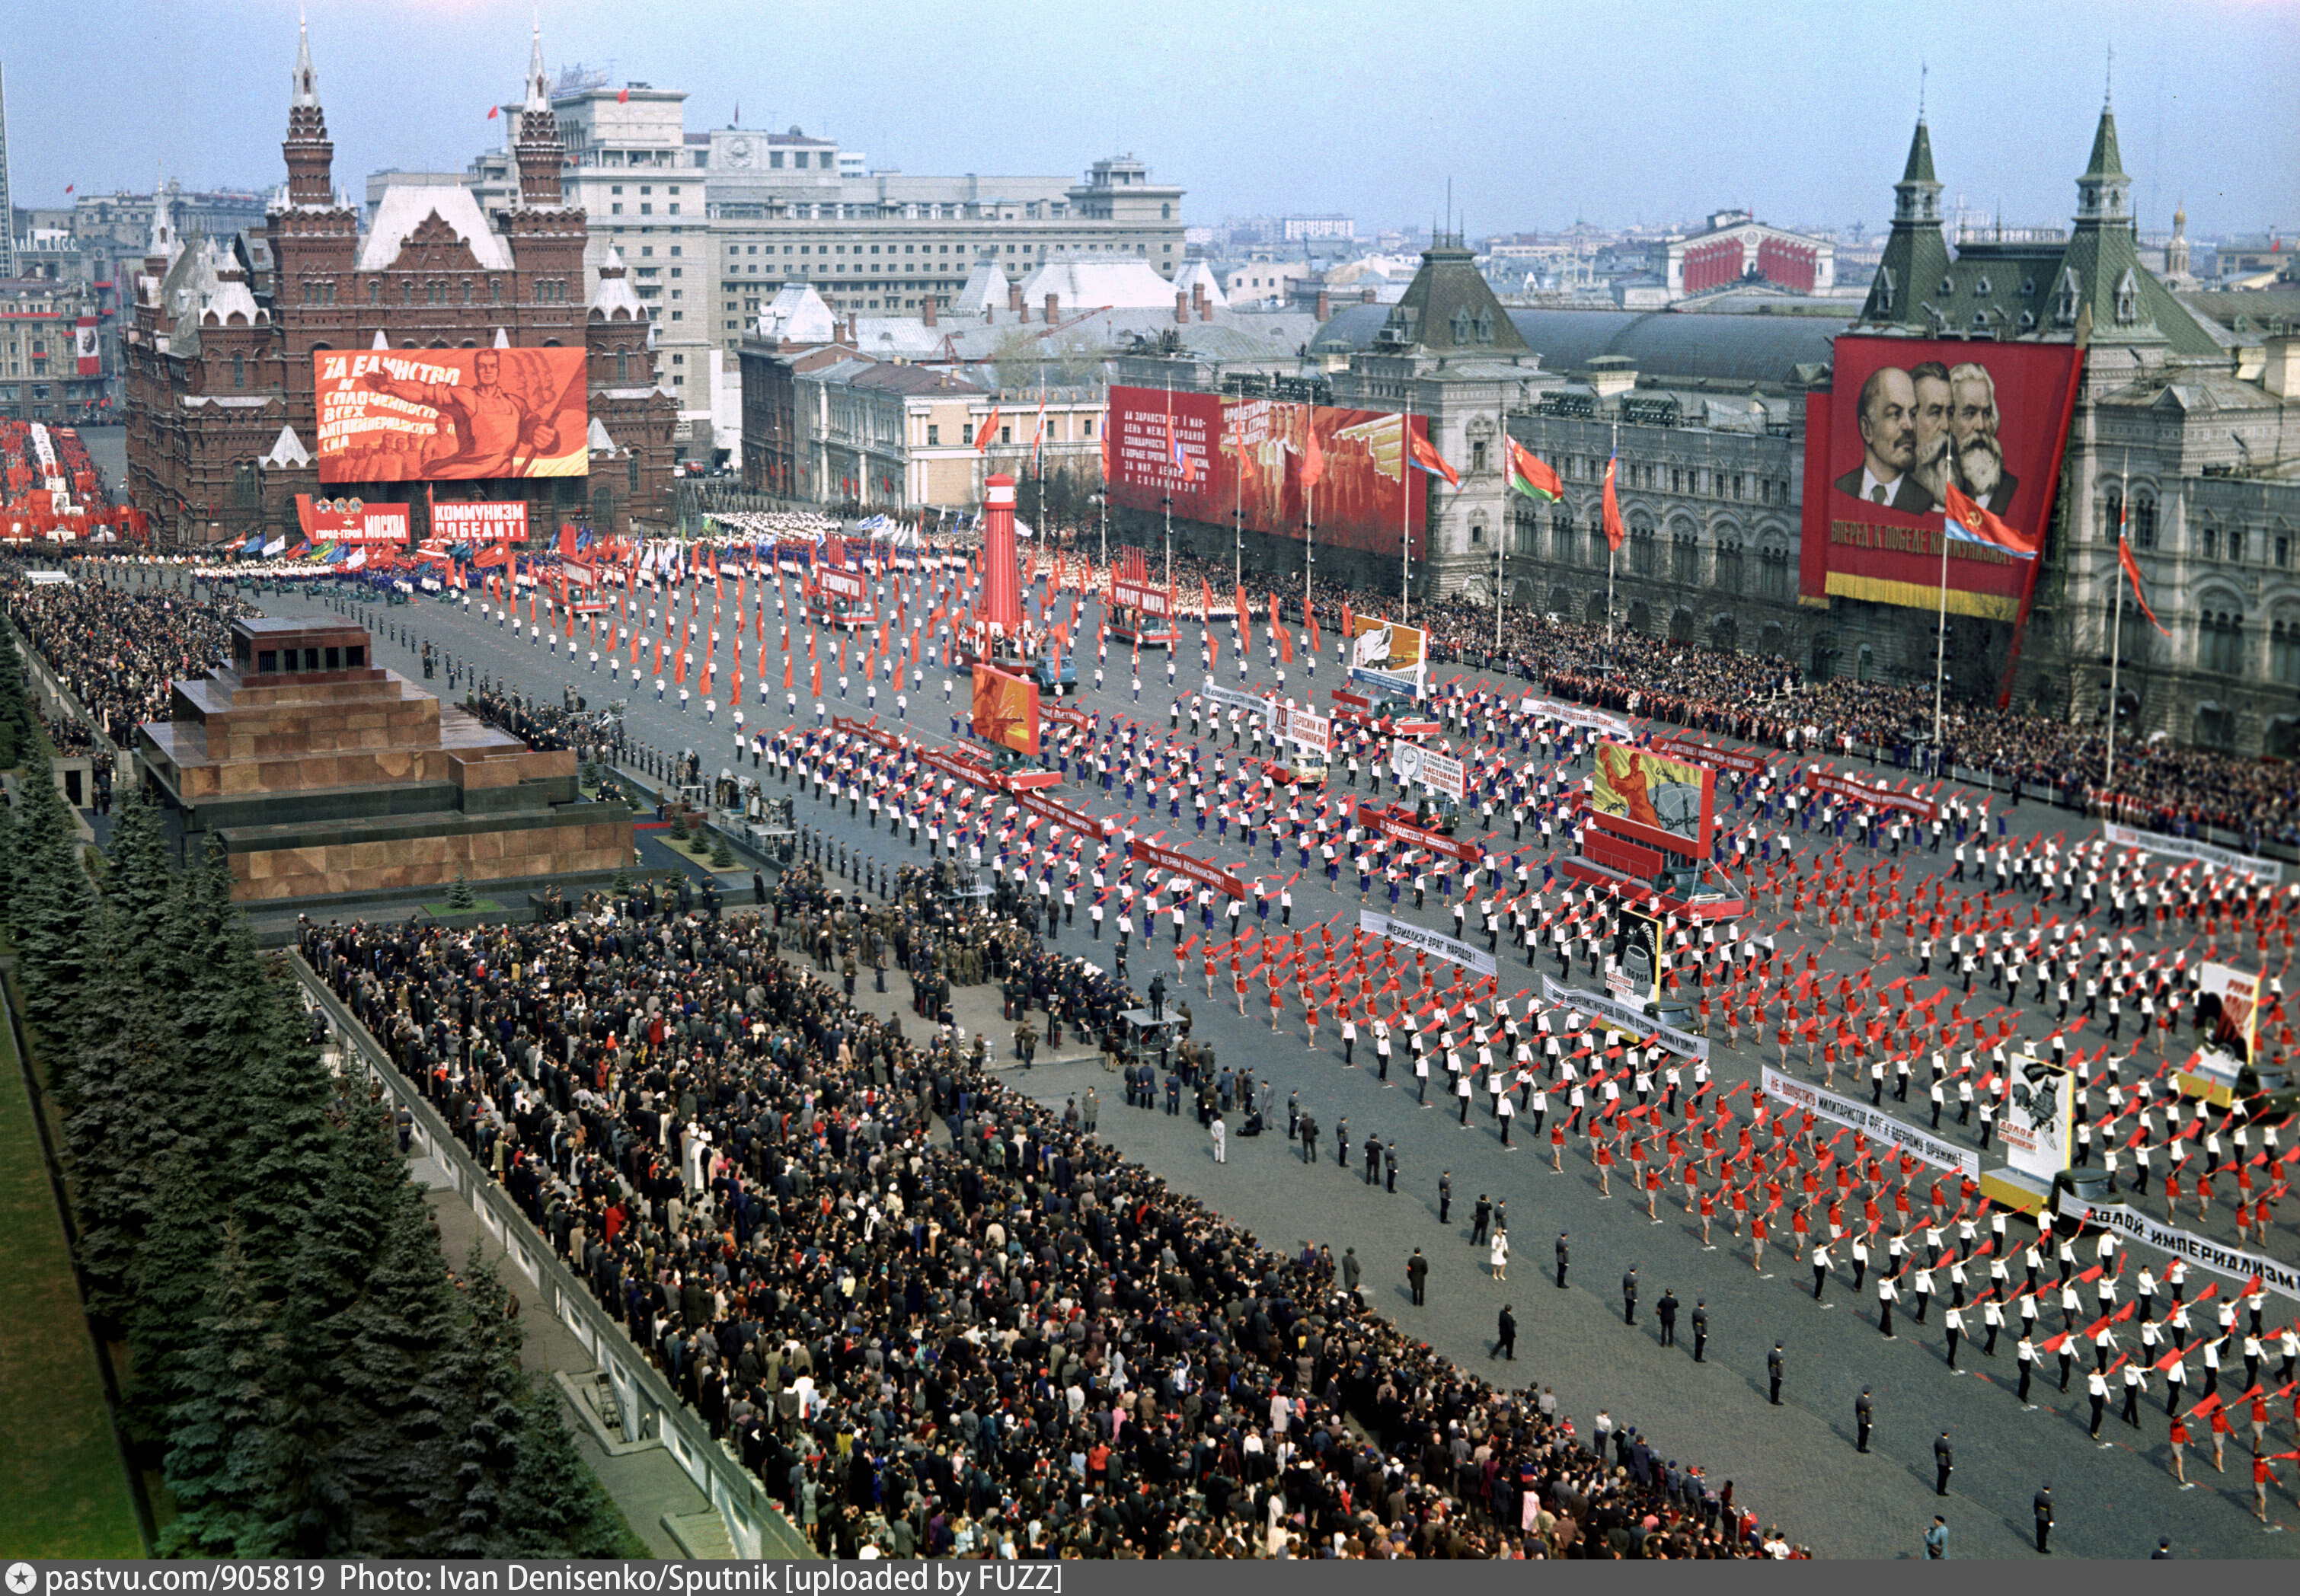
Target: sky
(1619, 112)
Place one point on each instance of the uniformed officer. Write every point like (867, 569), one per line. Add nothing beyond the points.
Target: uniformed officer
(1865, 1414)
(1561, 1259)
(1445, 1197)
(2043, 1508)
(1943, 1463)
(1666, 1311)
(1773, 1372)
(1700, 1329)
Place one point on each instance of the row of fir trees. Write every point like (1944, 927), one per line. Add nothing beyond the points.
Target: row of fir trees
(302, 1369)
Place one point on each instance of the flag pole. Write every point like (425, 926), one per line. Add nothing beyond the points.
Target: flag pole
(1406, 515)
(1501, 532)
(1612, 554)
(1170, 490)
(1940, 648)
(2115, 637)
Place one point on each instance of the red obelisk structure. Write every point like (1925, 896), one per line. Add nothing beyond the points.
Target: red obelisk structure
(1002, 572)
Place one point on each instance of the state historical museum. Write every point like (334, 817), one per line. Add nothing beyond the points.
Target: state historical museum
(454, 350)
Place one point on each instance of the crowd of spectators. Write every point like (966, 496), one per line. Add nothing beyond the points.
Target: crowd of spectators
(933, 1316)
(116, 649)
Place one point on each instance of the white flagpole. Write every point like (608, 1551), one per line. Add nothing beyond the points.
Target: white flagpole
(1501, 532)
(2115, 636)
(1612, 554)
(1940, 648)
(1406, 515)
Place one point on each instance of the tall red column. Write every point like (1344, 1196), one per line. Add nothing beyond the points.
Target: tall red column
(1002, 572)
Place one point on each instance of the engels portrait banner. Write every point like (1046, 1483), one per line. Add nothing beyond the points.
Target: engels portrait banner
(1247, 454)
(1905, 417)
(451, 415)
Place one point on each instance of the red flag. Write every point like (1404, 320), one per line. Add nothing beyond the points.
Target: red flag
(622, 96)
(1965, 521)
(492, 110)
(1314, 458)
(1614, 531)
(2132, 574)
(1425, 455)
(988, 428)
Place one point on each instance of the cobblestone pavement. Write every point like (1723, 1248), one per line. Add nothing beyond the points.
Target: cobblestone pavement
(1795, 1463)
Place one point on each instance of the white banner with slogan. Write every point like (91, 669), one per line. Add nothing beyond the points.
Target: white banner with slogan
(1411, 935)
(1629, 1017)
(2202, 1250)
(1441, 773)
(1875, 1123)
(2181, 847)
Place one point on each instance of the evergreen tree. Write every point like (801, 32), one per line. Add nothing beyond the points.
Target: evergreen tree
(172, 1268)
(459, 894)
(20, 725)
(120, 1089)
(393, 1445)
(49, 908)
(222, 1464)
(281, 1122)
(555, 1507)
(482, 1369)
(141, 881)
(722, 857)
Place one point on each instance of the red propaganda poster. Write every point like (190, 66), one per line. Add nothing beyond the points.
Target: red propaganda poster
(451, 415)
(1906, 419)
(1006, 710)
(1668, 802)
(1215, 455)
(1162, 443)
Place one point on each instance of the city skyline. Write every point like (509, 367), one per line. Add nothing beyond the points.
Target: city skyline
(1262, 136)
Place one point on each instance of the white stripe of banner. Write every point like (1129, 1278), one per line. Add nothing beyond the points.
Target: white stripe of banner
(2181, 847)
(2281, 1278)
(1627, 1016)
(1875, 1123)
(1430, 942)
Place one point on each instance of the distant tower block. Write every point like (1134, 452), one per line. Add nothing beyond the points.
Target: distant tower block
(1002, 573)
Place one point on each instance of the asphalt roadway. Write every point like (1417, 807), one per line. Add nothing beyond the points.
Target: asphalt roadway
(1795, 1463)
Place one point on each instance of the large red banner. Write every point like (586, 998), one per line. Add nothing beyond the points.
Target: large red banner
(1907, 417)
(451, 415)
(1247, 455)
(350, 520)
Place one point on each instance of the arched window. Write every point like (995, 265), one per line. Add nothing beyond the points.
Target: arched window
(1729, 567)
(239, 370)
(2142, 520)
(375, 291)
(622, 365)
(2220, 642)
(2284, 651)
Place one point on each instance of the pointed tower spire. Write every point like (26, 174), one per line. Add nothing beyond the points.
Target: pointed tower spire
(159, 243)
(305, 88)
(538, 148)
(2103, 191)
(1916, 257)
(538, 88)
(310, 153)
